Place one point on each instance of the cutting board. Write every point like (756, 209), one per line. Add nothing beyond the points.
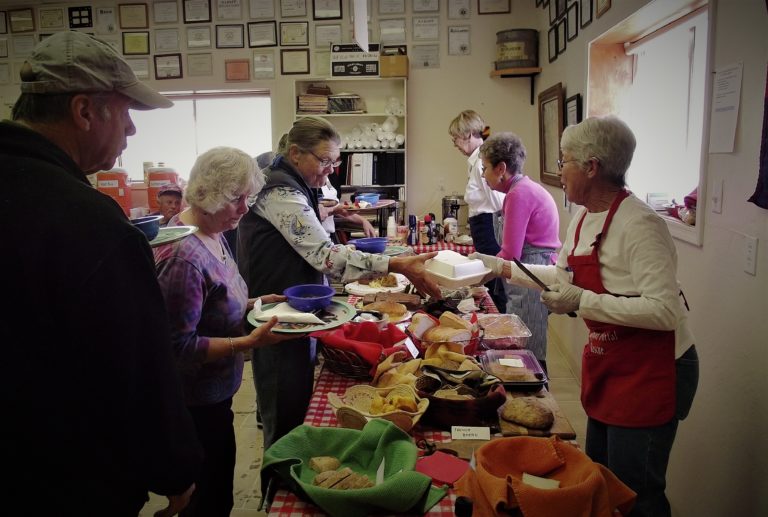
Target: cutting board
(561, 427)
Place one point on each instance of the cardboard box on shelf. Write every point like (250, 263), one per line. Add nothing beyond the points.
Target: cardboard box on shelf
(393, 66)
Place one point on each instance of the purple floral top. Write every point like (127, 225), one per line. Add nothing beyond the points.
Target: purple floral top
(205, 298)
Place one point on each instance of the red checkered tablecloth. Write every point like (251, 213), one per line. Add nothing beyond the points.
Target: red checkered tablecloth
(458, 248)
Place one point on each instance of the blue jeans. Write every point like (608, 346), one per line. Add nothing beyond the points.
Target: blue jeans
(639, 456)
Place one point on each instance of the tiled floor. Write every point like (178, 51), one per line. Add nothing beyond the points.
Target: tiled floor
(563, 385)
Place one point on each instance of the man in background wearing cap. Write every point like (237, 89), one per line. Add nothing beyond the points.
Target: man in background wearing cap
(93, 411)
(169, 199)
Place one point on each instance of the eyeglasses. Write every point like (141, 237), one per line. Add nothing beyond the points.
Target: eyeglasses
(249, 200)
(325, 162)
(560, 163)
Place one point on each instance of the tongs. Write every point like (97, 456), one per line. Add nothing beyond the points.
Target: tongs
(536, 279)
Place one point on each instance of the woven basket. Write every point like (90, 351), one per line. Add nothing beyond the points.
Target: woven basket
(353, 408)
(346, 363)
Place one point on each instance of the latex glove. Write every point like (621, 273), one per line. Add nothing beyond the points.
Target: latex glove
(562, 298)
(495, 264)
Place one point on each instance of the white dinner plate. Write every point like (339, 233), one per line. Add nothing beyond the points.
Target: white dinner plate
(359, 289)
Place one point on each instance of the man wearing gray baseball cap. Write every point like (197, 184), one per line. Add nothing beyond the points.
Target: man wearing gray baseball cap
(91, 397)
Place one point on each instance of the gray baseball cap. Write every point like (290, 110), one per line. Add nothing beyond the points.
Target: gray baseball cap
(74, 62)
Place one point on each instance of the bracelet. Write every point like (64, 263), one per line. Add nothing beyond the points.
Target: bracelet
(231, 347)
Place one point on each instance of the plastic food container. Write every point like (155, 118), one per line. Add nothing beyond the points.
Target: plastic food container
(518, 370)
(503, 331)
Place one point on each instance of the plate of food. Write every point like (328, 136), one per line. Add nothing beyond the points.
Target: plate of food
(390, 283)
(335, 314)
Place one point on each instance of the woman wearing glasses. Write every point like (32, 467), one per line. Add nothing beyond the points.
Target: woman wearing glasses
(617, 268)
(529, 230)
(206, 299)
(282, 243)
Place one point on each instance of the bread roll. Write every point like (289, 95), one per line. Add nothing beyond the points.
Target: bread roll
(334, 478)
(420, 323)
(451, 320)
(444, 334)
(324, 463)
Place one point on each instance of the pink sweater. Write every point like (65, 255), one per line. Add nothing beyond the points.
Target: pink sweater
(530, 216)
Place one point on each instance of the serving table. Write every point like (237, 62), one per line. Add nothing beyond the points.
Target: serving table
(320, 414)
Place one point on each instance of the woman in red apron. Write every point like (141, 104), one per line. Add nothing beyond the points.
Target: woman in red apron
(617, 268)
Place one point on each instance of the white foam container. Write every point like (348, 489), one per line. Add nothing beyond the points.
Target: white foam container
(452, 265)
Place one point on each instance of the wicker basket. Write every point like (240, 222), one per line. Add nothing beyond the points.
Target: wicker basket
(353, 408)
(346, 363)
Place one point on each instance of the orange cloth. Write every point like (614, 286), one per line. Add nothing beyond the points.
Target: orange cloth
(587, 489)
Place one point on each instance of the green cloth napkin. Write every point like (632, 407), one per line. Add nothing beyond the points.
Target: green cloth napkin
(403, 488)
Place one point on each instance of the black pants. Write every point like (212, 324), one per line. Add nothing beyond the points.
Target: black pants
(213, 493)
(484, 240)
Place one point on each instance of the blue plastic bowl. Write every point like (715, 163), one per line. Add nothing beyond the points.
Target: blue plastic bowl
(371, 198)
(370, 244)
(150, 225)
(309, 297)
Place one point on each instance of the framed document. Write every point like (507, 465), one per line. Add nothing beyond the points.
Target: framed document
(459, 40)
(237, 70)
(326, 9)
(3, 47)
(327, 34)
(229, 36)
(264, 64)
(425, 56)
(601, 7)
(294, 34)
(23, 45)
(293, 8)
(133, 16)
(294, 61)
(165, 12)
(426, 28)
(585, 10)
(426, 6)
(552, 43)
(392, 31)
(229, 9)
(199, 37)
(495, 6)
(261, 8)
(139, 65)
(168, 66)
(197, 11)
(323, 63)
(550, 129)
(561, 43)
(166, 40)
(458, 9)
(136, 43)
(573, 110)
(106, 20)
(391, 6)
(21, 20)
(80, 17)
(3, 22)
(572, 21)
(199, 64)
(51, 17)
(262, 34)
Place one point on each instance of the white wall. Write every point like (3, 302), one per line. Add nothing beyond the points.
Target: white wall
(719, 464)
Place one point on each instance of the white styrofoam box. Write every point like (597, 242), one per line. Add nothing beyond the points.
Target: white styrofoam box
(454, 265)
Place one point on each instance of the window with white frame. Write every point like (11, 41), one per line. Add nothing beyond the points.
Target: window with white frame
(197, 122)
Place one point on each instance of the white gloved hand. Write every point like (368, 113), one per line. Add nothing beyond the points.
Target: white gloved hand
(495, 264)
(562, 298)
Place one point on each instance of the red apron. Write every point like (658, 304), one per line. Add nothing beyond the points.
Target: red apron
(628, 374)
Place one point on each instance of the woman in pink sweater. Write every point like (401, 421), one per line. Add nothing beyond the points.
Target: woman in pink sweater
(529, 231)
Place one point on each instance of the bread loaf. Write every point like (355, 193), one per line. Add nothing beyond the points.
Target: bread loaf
(420, 323)
(528, 412)
(451, 320)
(442, 334)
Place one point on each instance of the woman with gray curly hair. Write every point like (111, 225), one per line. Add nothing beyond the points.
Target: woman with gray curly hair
(618, 269)
(207, 299)
(529, 229)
